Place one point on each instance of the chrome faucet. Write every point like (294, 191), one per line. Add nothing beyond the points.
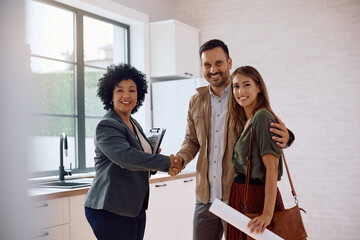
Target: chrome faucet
(63, 146)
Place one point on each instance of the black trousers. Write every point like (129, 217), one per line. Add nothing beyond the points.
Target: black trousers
(110, 226)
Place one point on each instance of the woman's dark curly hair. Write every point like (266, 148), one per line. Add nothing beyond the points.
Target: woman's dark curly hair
(116, 74)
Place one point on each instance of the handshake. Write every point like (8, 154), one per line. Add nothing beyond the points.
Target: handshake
(176, 164)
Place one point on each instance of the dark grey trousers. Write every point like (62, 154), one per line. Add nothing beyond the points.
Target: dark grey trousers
(207, 226)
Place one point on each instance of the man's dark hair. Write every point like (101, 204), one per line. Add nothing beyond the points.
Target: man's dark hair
(214, 43)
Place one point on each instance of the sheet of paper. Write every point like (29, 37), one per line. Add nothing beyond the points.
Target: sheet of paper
(239, 220)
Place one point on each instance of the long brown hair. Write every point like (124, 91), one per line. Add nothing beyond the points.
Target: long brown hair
(237, 112)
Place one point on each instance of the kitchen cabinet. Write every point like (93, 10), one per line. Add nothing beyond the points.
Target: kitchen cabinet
(186, 208)
(79, 227)
(51, 219)
(170, 211)
(174, 50)
(58, 214)
(53, 233)
(61, 219)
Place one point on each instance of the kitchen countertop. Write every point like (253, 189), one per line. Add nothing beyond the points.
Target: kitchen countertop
(41, 194)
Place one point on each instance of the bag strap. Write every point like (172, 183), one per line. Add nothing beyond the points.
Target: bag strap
(248, 172)
(289, 177)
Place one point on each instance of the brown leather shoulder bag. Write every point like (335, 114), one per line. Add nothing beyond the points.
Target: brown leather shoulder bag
(287, 223)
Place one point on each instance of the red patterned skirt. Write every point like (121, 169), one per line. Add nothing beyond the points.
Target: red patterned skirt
(255, 204)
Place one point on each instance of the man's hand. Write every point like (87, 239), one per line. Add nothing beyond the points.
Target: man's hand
(280, 130)
(176, 164)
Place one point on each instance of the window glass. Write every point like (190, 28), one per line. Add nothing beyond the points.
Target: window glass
(53, 86)
(107, 49)
(94, 110)
(89, 141)
(64, 89)
(50, 31)
(93, 104)
(44, 143)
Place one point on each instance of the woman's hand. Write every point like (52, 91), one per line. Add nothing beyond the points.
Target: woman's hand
(260, 223)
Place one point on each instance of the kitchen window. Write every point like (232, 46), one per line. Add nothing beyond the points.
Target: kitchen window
(70, 50)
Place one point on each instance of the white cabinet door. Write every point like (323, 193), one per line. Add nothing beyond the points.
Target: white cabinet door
(53, 233)
(171, 208)
(51, 219)
(161, 216)
(50, 213)
(186, 210)
(174, 50)
(79, 226)
(187, 57)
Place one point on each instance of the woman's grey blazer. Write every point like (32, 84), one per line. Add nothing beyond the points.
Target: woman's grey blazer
(121, 183)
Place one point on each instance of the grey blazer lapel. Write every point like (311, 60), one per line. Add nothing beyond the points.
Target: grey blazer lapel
(113, 116)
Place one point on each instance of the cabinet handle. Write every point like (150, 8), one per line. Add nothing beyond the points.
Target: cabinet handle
(189, 74)
(161, 185)
(41, 205)
(44, 234)
(189, 180)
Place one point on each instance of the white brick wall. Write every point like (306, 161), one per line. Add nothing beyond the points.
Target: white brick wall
(309, 55)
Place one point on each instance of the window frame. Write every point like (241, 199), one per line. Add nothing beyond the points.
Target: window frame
(79, 83)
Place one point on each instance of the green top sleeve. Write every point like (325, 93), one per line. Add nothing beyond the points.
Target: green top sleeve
(262, 143)
(262, 135)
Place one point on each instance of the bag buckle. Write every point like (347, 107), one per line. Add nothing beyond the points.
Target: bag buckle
(296, 200)
(297, 204)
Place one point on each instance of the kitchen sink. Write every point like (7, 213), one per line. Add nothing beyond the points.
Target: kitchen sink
(71, 183)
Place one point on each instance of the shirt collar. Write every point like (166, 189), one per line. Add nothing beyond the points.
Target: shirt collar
(225, 93)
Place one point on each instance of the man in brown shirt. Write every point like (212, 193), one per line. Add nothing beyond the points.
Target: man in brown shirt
(210, 134)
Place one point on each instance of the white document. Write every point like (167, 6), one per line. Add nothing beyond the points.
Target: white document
(239, 220)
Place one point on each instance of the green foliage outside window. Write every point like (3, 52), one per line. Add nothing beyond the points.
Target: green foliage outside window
(54, 94)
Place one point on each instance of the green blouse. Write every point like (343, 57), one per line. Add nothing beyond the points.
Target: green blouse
(262, 144)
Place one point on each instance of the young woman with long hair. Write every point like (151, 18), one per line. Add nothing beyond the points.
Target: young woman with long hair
(251, 114)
